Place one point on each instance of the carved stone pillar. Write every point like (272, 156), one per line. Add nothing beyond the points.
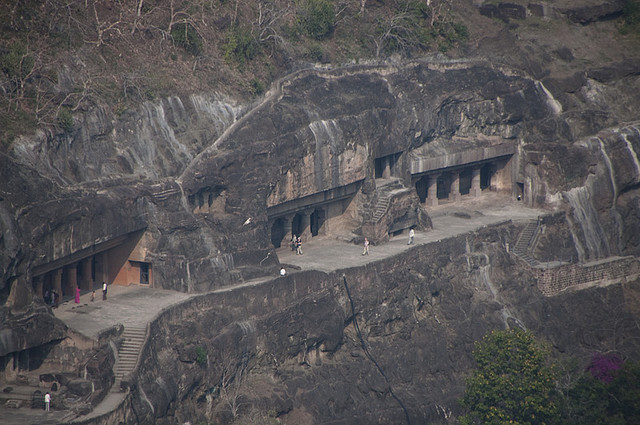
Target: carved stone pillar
(432, 190)
(475, 182)
(288, 222)
(306, 225)
(87, 280)
(57, 281)
(72, 278)
(454, 190)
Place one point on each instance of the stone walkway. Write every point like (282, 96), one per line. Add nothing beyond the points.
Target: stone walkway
(133, 306)
(136, 305)
(449, 220)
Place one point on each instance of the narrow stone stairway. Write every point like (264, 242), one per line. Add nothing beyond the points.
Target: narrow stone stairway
(128, 353)
(521, 248)
(385, 188)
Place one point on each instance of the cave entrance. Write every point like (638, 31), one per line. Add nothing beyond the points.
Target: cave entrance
(297, 224)
(465, 181)
(422, 187)
(316, 221)
(278, 232)
(385, 166)
(486, 173)
(144, 270)
(444, 186)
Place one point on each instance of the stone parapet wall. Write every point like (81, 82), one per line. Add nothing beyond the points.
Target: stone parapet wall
(552, 281)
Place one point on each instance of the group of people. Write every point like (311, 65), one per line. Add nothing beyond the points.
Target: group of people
(296, 244)
(52, 297)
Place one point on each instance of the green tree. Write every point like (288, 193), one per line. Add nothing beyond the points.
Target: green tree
(316, 18)
(594, 401)
(512, 383)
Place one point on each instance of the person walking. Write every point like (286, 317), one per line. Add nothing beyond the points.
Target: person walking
(77, 295)
(411, 235)
(366, 247)
(93, 296)
(47, 401)
(104, 291)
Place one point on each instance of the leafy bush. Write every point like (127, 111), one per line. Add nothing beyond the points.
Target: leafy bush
(201, 355)
(612, 398)
(16, 63)
(316, 18)
(239, 46)
(257, 87)
(65, 119)
(631, 17)
(186, 36)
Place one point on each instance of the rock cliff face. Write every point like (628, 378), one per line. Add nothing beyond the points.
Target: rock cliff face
(370, 345)
(197, 175)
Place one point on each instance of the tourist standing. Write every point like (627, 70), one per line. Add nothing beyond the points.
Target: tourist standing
(411, 235)
(298, 246)
(93, 296)
(47, 401)
(104, 291)
(366, 247)
(282, 271)
(77, 295)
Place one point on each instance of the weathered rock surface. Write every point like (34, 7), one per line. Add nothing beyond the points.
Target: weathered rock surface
(293, 346)
(159, 164)
(198, 174)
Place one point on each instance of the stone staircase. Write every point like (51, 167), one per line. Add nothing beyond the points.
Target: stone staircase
(521, 248)
(128, 353)
(385, 188)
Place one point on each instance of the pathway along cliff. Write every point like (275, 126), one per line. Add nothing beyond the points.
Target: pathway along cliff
(378, 339)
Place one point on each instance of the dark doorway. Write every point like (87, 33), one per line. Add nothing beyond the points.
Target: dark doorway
(382, 163)
(296, 225)
(316, 221)
(485, 176)
(422, 187)
(144, 273)
(444, 186)
(465, 181)
(277, 232)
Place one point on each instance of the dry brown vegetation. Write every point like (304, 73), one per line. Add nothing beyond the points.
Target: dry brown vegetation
(60, 57)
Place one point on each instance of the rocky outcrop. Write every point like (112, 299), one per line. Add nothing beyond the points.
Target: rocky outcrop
(585, 14)
(191, 192)
(366, 345)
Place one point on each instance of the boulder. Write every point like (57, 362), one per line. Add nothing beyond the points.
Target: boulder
(80, 387)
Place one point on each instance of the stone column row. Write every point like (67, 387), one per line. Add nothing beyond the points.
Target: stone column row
(71, 281)
(454, 189)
